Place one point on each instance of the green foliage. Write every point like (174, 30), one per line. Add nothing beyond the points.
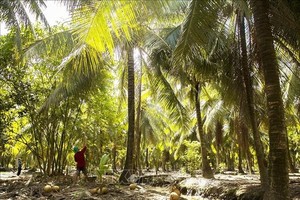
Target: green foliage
(191, 156)
(103, 166)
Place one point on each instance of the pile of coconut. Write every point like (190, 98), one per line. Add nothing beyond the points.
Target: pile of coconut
(51, 188)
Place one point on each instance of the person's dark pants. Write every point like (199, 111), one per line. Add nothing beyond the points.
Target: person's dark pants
(19, 171)
(79, 169)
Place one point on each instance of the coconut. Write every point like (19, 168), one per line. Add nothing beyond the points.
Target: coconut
(104, 190)
(174, 196)
(55, 188)
(48, 188)
(132, 186)
(177, 191)
(93, 191)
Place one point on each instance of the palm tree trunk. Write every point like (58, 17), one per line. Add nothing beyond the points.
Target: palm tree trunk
(114, 157)
(250, 104)
(2, 149)
(231, 152)
(62, 138)
(291, 164)
(219, 142)
(278, 156)
(129, 162)
(206, 169)
(245, 145)
(243, 142)
(137, 128)
(240, 165)
(147, 159)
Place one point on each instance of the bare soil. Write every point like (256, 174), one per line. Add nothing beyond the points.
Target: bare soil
(150, 187)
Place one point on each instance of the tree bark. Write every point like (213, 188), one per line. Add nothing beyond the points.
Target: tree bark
(129, 161)
(206, 169)
(278, 156)
(240, 165)
(137, 127)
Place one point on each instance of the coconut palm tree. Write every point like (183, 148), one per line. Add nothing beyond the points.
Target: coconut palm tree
(248, 86)
(278, 158)
(200, 32)
(129, 162)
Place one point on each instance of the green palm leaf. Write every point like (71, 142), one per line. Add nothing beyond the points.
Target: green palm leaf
(14, 14)
(100, 23)
(199, 31)
(80, 68)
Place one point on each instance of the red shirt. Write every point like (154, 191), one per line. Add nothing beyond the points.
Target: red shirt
(79, 157)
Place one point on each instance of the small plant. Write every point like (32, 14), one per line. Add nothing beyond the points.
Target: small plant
(103, 168)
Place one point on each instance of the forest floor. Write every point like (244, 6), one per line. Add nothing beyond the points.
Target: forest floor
(150, 186)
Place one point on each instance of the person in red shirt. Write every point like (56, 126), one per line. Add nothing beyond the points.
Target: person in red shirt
(80, 160)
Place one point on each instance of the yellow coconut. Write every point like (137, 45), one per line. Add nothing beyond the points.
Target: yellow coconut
(48, 188)
(177, 191)
(174, 196)
(132, 186)
(55, 188)
(93, 191)
(104, 190)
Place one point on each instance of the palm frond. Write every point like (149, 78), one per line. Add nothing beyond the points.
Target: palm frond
(19, 9)
(74, 4)
(293, 90)
(214, 112)
(98, 23)
(165, 94)
(7, 14)
(35, 8)
(285, 23)
(14, 14)
(199, 32)
(167, 12)
(148, 127)
(80, 68)
(57, 44)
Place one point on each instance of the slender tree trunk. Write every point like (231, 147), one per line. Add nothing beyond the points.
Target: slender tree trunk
(278, 157)
(249, 158)
(129, 162)
(114, 156)
(250, 104)
(240, 144)
(291, 164)
(219, 142)
(2, 149)
(60, 152)
(163, 161)
(240, 165)
(231, 153)
(137, 127)
(230, 160)
(147, 159)
(242, 147)
(245, 143)
(49, 158)
(206, 169)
